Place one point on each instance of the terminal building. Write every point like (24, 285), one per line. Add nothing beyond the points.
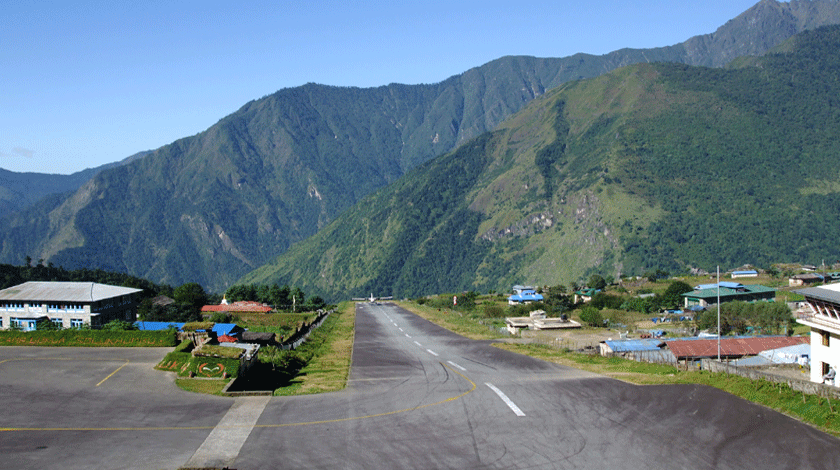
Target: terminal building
(68, 304)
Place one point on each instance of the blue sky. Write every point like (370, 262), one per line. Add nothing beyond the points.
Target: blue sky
(91, 82)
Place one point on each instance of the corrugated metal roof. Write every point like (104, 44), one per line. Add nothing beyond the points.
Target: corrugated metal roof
(730, 292)
(158, 325)
(526, 296)
(828, 292)
(221, 329)
(237, 307)
(626, 345)
(732, 346)
(81, 292)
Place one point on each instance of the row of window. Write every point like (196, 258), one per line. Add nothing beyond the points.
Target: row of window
(51, 307)
(28, 324)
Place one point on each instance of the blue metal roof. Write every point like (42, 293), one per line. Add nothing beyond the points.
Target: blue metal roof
(225, 329)
(158, 325)
(725, 284)
(626, 345)
(526, 296)
(219, 328)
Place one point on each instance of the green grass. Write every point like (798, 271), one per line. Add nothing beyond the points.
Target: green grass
(464, 324)
(206, 386)
(329, 367)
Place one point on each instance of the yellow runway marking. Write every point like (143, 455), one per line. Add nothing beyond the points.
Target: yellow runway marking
(189, 428)
(70, 359)
(112, 373)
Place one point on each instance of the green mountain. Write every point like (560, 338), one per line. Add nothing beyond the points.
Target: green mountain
(214, 206)
(19, 191)
(651, 166)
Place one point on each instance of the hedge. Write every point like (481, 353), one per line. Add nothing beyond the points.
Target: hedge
(92, 338)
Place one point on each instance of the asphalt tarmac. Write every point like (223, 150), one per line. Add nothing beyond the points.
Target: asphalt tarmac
(419, 396)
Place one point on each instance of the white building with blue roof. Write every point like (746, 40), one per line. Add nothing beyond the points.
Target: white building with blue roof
(524, 295)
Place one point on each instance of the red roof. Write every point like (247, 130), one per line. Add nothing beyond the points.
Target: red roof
(226, 339)
(242, 306)
(732, 346)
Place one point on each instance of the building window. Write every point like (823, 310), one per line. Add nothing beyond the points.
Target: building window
(24, 323)
(76, 323)
(57, 321)
(826, 337)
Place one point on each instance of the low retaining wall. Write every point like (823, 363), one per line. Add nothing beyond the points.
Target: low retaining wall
(804, 386)
(300, 337)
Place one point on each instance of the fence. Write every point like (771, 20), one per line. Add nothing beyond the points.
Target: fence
(804, 386)
(562, 343)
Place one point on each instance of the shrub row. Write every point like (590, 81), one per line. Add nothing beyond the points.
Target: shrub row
(93, 338)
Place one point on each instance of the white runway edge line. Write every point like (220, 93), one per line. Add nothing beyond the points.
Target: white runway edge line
(456, 366)
(505, 399)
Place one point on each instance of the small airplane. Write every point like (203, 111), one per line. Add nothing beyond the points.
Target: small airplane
(373, 299)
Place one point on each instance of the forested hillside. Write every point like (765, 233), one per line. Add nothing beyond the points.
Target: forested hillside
(211, 207)
(659, 166)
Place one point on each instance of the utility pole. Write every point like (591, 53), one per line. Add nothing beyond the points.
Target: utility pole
(718, 309)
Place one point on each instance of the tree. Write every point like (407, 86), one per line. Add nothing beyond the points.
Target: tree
(596, 282)
(672, 297)
(221, 317)
(191, 293)
(556, 300)
(591, 316)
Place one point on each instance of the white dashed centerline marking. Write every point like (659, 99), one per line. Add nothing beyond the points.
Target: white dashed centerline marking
(505, 399)
(406, 335)
(418, 344)
(431, 352)
(457, 366)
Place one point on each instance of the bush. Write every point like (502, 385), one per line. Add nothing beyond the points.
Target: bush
(591, 316)
(94, 338)
(493, 311)
(221, 317)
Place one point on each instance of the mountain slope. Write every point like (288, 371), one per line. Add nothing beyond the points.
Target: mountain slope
(211, 207)
(650, 166)
(19, 191)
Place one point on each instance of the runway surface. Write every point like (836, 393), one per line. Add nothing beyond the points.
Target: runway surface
(419, 396)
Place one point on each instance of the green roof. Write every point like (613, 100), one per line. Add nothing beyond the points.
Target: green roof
(728, 293)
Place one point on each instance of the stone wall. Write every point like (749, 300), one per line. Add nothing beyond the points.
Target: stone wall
(804, 386)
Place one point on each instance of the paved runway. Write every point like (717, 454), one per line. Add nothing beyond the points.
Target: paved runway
(419, 397)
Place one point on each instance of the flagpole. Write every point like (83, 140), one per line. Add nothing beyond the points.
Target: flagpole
(718, 309)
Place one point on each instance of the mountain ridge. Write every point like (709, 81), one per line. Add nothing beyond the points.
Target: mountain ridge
(210, 207)
(654, 166)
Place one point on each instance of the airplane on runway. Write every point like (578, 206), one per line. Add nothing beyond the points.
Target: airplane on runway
(373, 299)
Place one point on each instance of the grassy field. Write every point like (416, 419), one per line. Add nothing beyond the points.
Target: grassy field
(329, 368)
(282, 324)
(466, 325)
